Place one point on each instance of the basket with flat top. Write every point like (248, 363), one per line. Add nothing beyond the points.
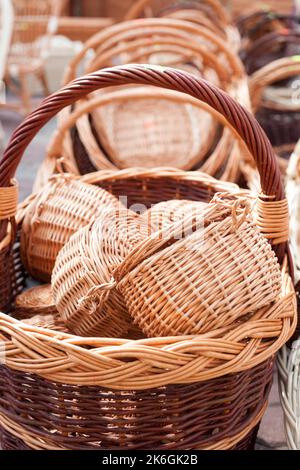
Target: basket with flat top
(207, 390)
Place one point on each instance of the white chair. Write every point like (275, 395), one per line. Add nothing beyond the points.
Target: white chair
(6, 26)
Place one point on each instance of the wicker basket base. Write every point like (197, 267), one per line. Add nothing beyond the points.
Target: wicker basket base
(205, 415)
(10, 442)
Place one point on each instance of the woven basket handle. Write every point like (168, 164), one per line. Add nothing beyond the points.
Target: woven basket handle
(137, 9)
(114, 35)
(273, 219)
(277, 70)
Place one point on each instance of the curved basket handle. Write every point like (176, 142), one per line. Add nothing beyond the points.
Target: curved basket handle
(113, 35)
(160, 44)
(275, 71)
(198, 18)
(137, 9)
(273, 218)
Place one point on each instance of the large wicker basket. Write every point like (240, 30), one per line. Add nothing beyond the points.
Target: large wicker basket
(59, 391)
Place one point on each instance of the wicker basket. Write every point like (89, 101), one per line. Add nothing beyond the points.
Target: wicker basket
(255, 25)
(192, 392)
(59, 210)
(182, 280)
(289, 358)
(277, 108)
(141, 144)
(81, 278)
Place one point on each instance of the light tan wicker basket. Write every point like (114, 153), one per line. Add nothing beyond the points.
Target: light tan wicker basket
(81, 278)
(61, 208)
(200, 274)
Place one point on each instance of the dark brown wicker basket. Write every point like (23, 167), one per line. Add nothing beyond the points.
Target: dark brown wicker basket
(270, 47)
(220, 413)
(183, 417)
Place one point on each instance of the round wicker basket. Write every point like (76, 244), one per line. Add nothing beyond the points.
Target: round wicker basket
(141, 143)
(62, 207)
(81, 278)
(186, 392)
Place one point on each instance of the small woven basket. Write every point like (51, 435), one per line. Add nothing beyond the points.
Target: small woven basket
(83, 269)
(62, 207)
(277, 109)
(200, 274)
(143, 394)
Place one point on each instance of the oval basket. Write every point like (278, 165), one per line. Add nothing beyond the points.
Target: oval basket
(192, 392)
